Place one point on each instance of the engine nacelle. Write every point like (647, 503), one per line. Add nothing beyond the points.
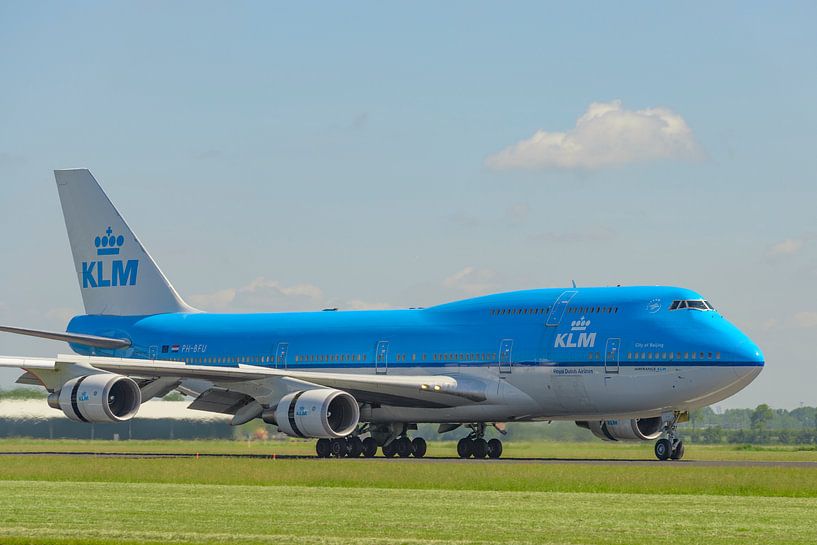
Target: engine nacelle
(100, 398)
(634, 429)
(322, 413)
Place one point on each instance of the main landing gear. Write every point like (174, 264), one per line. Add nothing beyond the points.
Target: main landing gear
(670, 447)
(475, 444)
(393, 441)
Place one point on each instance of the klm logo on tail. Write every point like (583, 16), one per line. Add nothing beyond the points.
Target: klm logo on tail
(107, 274)
(583, 338)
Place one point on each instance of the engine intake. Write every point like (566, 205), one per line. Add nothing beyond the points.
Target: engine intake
(322, 413)
(100, 398)
(634, 429)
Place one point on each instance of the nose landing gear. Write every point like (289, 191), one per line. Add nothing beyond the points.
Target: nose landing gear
(670, 447)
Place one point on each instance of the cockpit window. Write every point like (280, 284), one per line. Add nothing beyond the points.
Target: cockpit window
(696, 304)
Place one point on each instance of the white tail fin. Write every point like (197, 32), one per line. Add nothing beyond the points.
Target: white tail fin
(116, 274)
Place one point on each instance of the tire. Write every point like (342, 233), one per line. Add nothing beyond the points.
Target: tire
(403, 447)
(369, 447)
(494, 448)
(480, 448)
(323, 448)
(464, 448)
(419, 447)
(663, 449)
(339, 447)
(389, 449)
(678, 451)
(355, 447)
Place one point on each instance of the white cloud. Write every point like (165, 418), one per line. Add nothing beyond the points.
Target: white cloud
(805, 320)
(786, 247)
(358, 304)
(264, 295)
(472, 280)
(261, 295)
(605, 135)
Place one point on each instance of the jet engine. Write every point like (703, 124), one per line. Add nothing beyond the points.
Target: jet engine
(100, 398)
(322, 413)
(635, 429)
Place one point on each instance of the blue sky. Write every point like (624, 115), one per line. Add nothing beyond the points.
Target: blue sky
(277, 156)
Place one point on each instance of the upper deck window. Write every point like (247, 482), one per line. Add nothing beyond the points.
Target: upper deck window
(695, 304)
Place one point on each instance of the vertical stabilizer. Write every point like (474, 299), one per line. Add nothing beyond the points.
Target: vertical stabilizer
(116, 274)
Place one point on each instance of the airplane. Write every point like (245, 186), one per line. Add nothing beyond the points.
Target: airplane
(627, 363)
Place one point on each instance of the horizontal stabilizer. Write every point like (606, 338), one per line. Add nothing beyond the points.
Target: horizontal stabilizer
(75, 338)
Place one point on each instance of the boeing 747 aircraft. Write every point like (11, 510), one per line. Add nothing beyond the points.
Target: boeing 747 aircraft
(628, 363)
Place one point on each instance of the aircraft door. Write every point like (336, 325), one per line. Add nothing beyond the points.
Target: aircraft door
(559, 307)
(381, 358)
(281, 355)
(505, 356)
(153, 352)
(611, 355)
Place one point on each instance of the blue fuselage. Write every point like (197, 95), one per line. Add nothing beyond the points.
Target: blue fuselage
(608, 328)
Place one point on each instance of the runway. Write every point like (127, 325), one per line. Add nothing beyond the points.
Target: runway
(381, 459)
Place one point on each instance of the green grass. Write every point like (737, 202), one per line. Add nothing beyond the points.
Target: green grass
(482, 475)
(99, 500)
(55, 512)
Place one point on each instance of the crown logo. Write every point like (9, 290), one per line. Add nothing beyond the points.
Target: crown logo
(108, 244)
(579, 325)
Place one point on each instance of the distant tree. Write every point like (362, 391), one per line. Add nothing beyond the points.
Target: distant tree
(700, 416)
(23, 393)
(762, 414)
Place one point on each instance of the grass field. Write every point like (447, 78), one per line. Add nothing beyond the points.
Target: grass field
(67, 499)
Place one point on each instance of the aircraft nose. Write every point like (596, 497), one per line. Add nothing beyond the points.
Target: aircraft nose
(749, 361)
(748, 352)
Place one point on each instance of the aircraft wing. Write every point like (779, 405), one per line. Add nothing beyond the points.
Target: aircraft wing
(419, 391)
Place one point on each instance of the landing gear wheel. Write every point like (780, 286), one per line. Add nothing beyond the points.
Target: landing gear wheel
(390, 449)
(465, 448)
(494, 448)
(480, 448)
(339, 447)
(354, 447)
(663, 449)
(403, 447)
(419, 447)
(369, 447)
(324, 448)
(678, 451)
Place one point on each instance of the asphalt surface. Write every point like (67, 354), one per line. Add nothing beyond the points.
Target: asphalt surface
(583, 461)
